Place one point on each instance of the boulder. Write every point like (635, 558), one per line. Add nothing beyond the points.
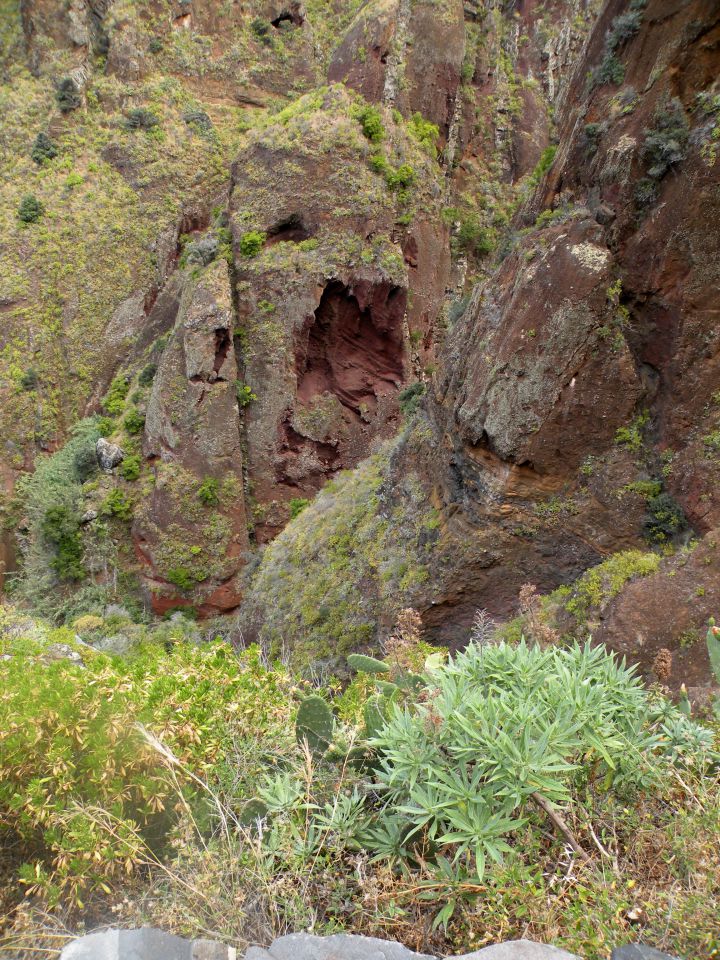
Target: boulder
(304, 946)
(638, 951)
(109, 455)
(143, 944)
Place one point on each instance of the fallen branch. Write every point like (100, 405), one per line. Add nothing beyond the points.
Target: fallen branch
(560, 824)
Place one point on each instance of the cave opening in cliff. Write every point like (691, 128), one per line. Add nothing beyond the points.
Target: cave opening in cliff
(354, 347)
(290, 229)
(288, 19)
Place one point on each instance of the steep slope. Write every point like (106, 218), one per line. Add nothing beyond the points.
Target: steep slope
(573, 414)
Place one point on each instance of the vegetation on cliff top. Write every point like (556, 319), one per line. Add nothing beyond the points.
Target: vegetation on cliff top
(169, 781)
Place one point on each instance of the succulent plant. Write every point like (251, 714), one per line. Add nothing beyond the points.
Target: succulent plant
(315, 723)
(364, 664)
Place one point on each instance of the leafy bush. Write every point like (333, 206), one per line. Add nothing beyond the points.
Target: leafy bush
(505, 726)
(410, 397)
(51, 499)
(261, 29)
(67, 95)
(425, 132)
(475, 238)
(43, 149)
(181, 577)
(665, 518)
(198, 119)
(134, 422)
(208, 492)
(140, 118)
(130, 467)
(114, 401)
(117, 504)
(29, 380)
(147, 374)
(297, 505)
(402, 177)
(251, 243)
(666, 142)
(86, 794)
(30, 209)
(547, 158)
(61, 529)
(370, 120)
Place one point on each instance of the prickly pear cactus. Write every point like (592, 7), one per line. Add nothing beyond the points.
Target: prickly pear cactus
(363, 664)
(315, 724)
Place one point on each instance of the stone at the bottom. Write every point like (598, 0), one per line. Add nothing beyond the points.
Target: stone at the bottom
(519, 950)
(339, 946)
(304, 946)
(144, 944)
(639, 951)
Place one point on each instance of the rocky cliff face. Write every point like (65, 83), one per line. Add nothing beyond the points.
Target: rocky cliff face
(510, 208)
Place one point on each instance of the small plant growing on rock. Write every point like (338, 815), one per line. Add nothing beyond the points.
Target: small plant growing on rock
(297, 505)
(251, 243)
(244, 394)
(181, 577)
(665, 144)
(261, 29)
(209, 492)
(30, 209)
(43, 149)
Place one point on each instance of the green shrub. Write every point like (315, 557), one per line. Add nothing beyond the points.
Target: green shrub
(251, 243)
(147, 374)
(410, 397)
(51, 500)
(458, 771)
(134, 422)
(140, 118)
(30, 209)
(631, 436)
(297, 505)
(665, 144)
(117, 504)
(85, 794)
(475, 238)
(181, 577)
(425, 132)
(209, 492)
(370, 120)
(605, 581)
(261, 29)
(130, 467)
(114, 401)
(403, 177)
(43, 149)
(547, 158)
(379, 164)
(610, 71)
(665, 518)
(61, 529)
(29, 380)
(67, 95)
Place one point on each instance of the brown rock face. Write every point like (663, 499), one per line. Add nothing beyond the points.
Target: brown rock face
(600, 321)
(339, 310)
(192, 436)
(405, 55)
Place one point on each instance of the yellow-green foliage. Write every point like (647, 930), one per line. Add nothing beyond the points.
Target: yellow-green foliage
(84, 792)
(605, 581)
(356, 549)
(64, 275)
